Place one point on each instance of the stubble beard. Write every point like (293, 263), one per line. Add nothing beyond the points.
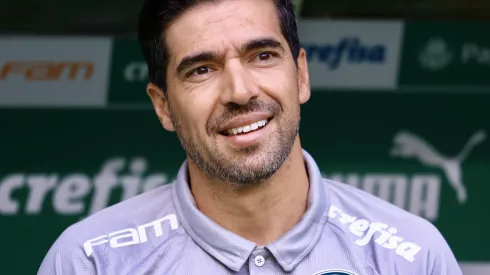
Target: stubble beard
(242, 171)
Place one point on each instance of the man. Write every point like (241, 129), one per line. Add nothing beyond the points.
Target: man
(229, 78)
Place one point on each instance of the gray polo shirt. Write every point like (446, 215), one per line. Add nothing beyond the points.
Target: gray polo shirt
(344, 231)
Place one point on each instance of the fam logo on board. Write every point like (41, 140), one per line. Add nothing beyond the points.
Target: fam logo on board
(47, 70)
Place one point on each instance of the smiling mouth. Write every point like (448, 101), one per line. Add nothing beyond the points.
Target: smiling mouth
(243, 130)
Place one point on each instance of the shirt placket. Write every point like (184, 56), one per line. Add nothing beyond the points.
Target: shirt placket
(261, 262)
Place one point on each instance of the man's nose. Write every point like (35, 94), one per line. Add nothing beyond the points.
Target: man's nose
(239, 86)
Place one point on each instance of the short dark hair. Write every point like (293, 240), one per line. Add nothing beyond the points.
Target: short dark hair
(157, 15)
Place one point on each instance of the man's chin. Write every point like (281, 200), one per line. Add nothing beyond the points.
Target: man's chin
(247, 175)
(244, 154)
(250, 150)
(246, 167)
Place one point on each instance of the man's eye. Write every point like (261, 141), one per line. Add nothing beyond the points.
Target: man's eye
(200, 71)
(199, 74)
(264, 56)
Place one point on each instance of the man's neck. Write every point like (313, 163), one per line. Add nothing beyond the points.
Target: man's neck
(260, 213)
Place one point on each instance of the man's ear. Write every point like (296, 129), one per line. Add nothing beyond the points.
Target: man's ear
(303, 78)
(160, 104)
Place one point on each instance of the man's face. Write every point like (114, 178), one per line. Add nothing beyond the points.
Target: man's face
(234, 91)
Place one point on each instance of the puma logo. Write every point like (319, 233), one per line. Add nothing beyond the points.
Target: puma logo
(408, 145)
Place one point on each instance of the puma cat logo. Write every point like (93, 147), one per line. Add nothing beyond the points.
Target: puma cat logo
(408, 145)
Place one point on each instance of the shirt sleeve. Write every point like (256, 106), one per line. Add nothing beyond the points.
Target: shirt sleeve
(443, 260)
(66, 257)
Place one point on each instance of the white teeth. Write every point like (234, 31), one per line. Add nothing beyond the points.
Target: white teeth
(248, 128)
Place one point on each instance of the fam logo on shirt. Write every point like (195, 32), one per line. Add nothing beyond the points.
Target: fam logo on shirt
(335, 272)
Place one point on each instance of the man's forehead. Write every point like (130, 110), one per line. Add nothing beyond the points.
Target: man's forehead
(222, 27)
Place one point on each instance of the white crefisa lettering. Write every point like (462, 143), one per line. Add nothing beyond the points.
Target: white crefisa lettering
(381, 233)
(68, 197)
(132, 236)
(133, 183)
(105, 181)
(372, 229)
(408, 250)
(39, 186)
(77, 193)
(11, 183)
(358, 227)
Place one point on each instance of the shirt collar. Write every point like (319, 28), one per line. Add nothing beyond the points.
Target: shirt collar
(233, 250)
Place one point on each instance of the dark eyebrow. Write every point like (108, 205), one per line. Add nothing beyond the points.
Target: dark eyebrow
(190, 60)
(262, 43)
(251, 45)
